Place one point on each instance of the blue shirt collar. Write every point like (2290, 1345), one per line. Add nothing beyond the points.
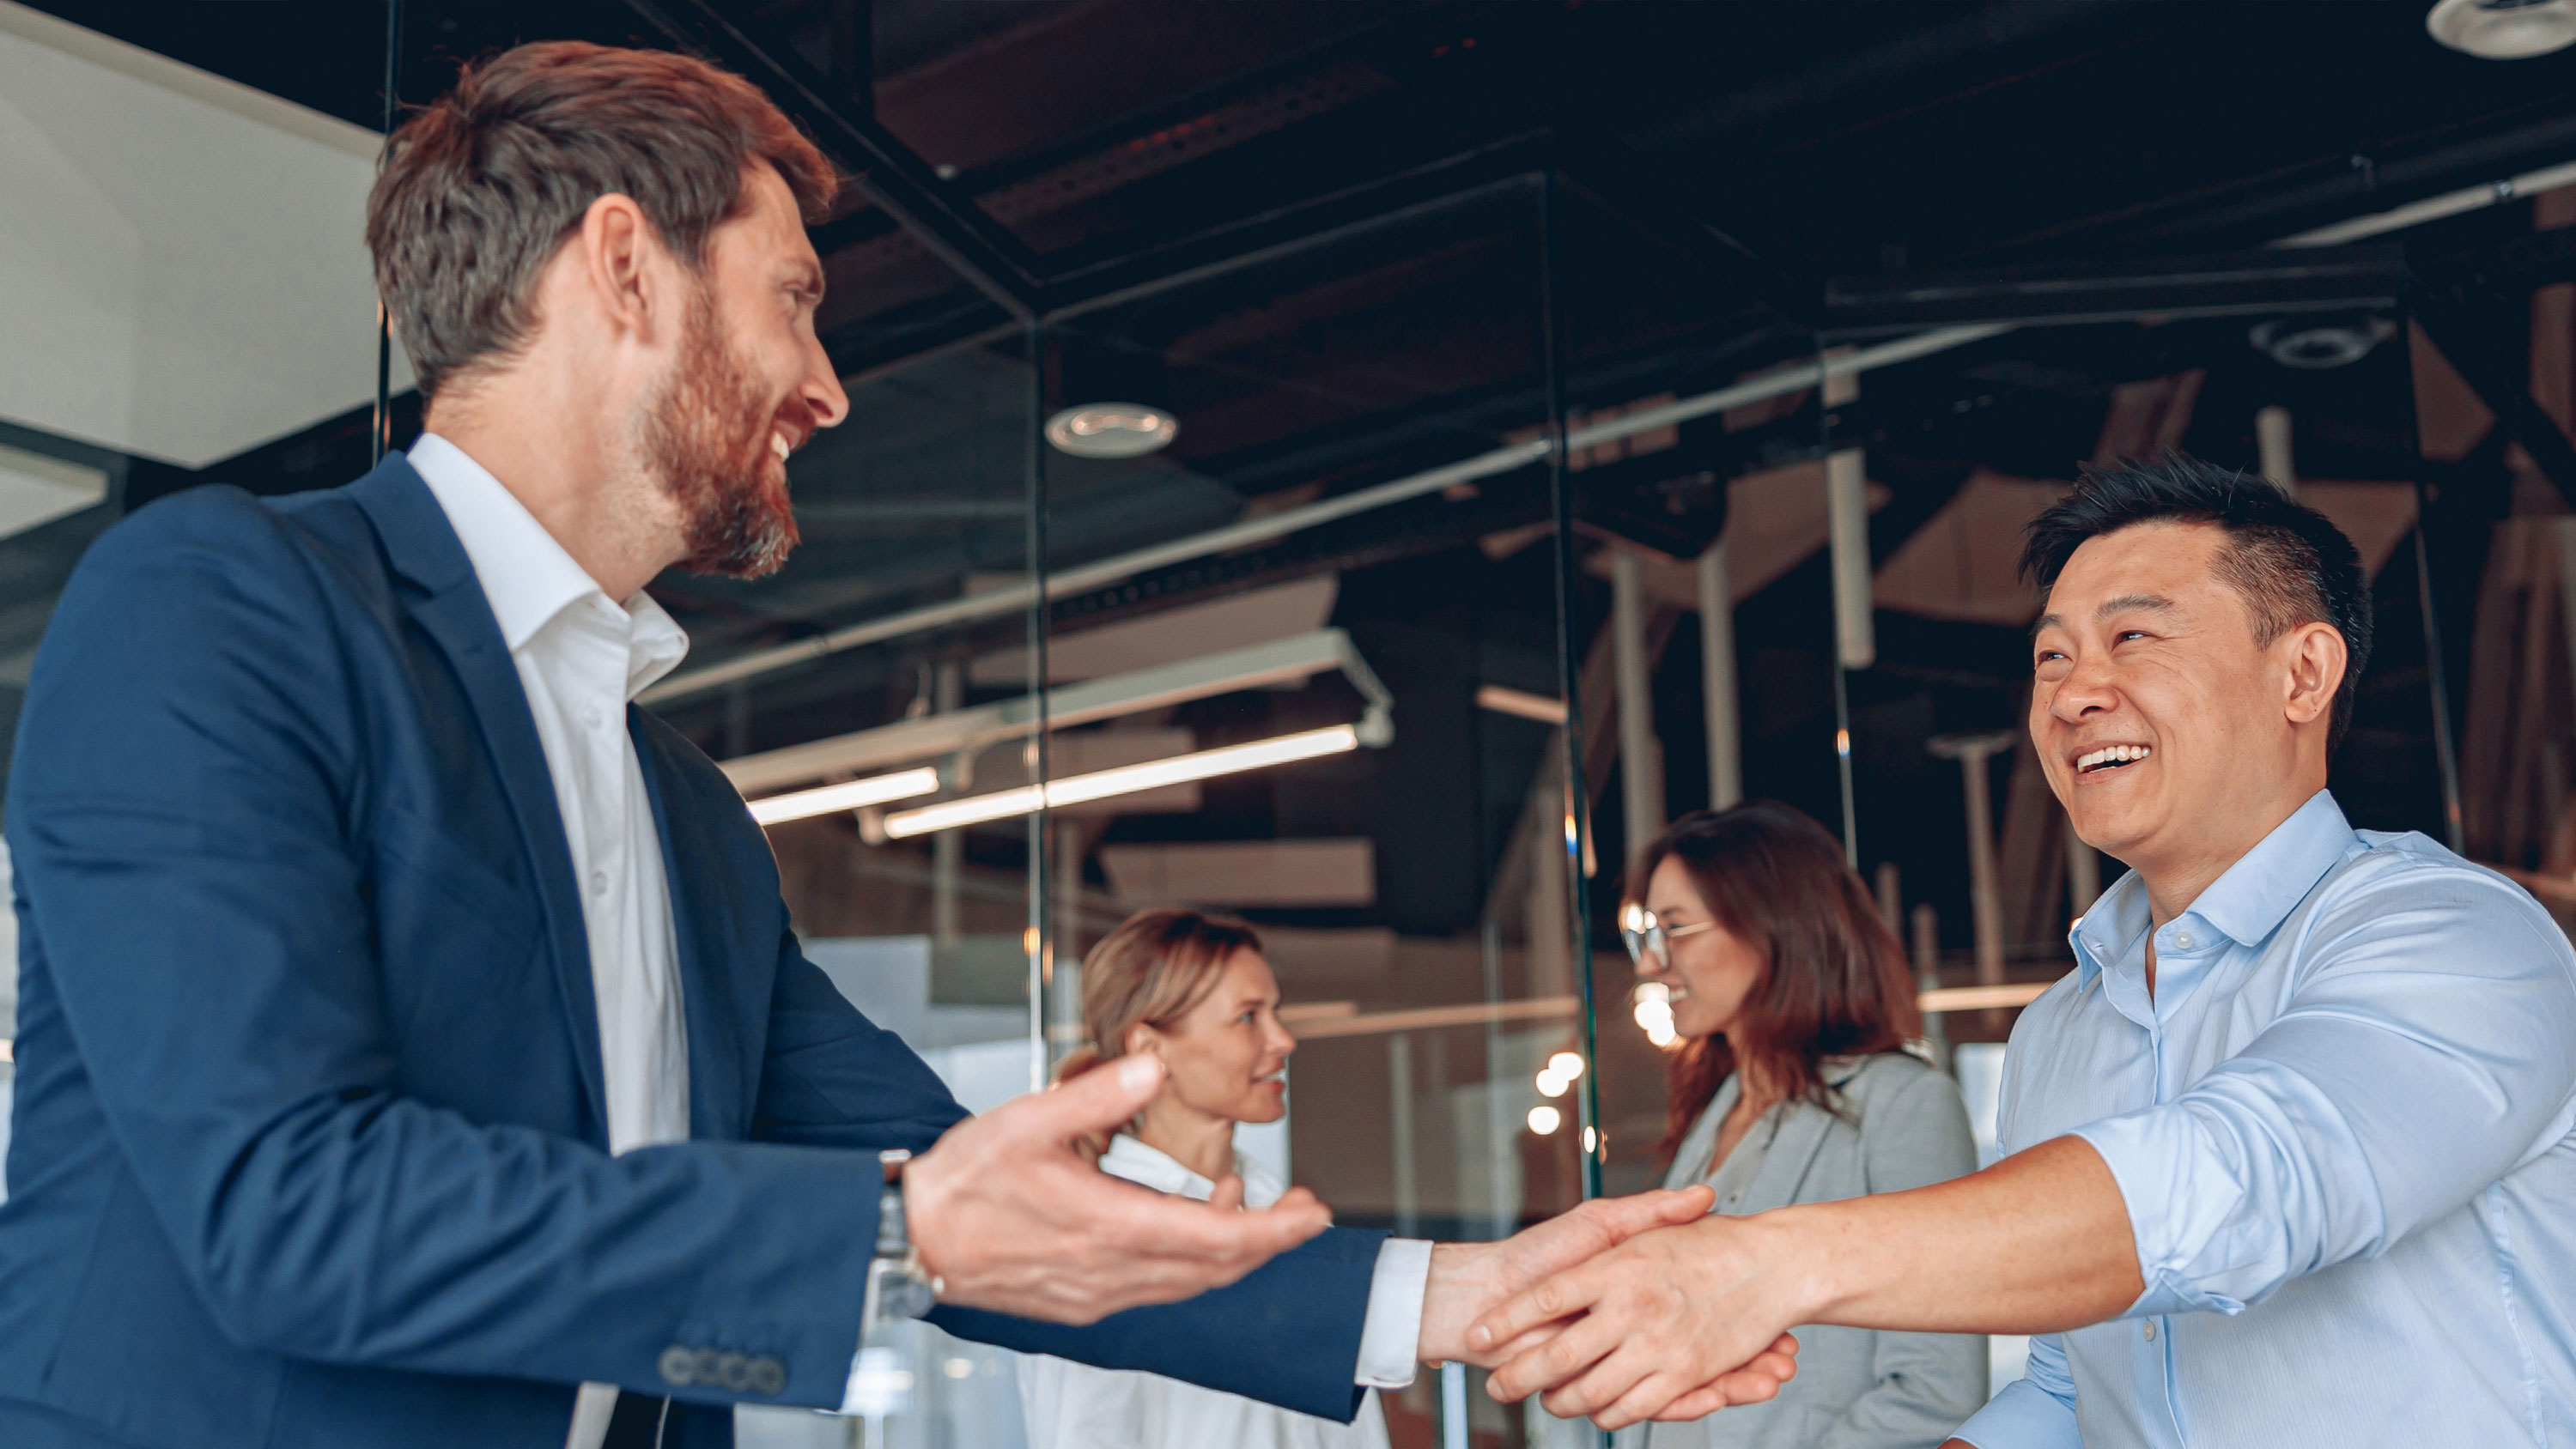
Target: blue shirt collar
(2248, 902)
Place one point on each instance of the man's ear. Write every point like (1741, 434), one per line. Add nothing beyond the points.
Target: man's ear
(616, 247)
(2317, 657)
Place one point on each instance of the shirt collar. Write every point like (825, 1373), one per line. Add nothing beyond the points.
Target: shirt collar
(1130, 1158)
(2247, 902)
(1152, 1167)
(526, 575)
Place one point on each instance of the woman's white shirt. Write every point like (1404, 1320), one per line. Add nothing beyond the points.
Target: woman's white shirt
(1075, 1406)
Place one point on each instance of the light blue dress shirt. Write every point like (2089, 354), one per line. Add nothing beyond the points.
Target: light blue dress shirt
(2345, 1130)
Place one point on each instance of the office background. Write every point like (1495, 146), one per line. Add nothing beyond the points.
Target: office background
(1366, 466)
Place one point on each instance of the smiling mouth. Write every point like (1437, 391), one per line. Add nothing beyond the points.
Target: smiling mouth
(2110, 757)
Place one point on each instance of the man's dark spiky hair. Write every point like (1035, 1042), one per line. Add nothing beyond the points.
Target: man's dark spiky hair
(2291, 564)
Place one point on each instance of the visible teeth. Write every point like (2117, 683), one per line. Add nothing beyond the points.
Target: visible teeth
(2111, 754)
(778, 445)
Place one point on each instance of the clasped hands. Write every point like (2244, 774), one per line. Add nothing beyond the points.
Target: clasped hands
(1605, 1309)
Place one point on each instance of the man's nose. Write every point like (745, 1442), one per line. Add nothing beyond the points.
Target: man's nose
(2087, 689)
(821, 391)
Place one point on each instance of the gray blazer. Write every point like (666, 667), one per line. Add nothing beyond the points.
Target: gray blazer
(1856, 1388)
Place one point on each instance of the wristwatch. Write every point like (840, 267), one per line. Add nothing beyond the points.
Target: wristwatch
(898, 1285)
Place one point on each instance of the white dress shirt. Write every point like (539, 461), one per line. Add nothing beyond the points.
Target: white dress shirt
(1075, 1406)
(582, 658)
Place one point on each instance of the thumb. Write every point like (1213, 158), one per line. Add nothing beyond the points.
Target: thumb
(1095, 1102)
(1625, 1217)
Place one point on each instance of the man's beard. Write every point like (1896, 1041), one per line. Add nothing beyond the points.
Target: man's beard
(705, 437)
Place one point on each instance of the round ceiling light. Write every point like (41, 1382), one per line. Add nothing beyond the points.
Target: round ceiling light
(2503, 29)
(2316, 343)
(1112, 430)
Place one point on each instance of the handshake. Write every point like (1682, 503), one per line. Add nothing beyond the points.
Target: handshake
(1622, 1310)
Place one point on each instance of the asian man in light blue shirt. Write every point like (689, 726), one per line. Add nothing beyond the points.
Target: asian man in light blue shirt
(2293, 1147)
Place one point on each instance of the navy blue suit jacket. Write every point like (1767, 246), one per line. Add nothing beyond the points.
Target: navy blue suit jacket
(310, 1144)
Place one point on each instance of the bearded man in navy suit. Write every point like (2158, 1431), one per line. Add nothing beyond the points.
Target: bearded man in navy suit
(413, 1047)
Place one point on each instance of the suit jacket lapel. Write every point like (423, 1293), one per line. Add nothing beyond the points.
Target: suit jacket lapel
(705, 931)
(1784, 1166)
(452, 610)
(1803, 1129)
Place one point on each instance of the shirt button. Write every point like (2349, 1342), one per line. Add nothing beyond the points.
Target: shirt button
(2150, 1331)
(599, 882)
(2184, 941)
(592, 717)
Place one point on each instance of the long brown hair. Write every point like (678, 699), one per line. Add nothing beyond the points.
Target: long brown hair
(1150, 971)
(1834, 980)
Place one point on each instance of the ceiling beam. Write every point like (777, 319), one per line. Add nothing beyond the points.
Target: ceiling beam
(883, 169)
(2122, 288)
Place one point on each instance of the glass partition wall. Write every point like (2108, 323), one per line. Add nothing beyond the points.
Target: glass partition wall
(1387, 587)
(1334, 587)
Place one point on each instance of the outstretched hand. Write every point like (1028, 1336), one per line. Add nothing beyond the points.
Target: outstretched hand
(1469, 1280)
(1671, 1324)
(1012, 1219)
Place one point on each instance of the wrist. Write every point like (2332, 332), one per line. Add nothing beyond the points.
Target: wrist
(1809, 1282)
(1451, 1297)
(924, 1196)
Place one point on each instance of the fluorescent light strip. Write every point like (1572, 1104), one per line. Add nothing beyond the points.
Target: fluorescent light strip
(849, 795)
(1124, 780)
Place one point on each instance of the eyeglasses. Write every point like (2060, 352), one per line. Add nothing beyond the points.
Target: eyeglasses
(1645, 936)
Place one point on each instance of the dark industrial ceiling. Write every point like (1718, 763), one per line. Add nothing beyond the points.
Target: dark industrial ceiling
(1321, 221)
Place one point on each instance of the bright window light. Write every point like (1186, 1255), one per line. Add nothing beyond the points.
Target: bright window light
(1568, 1065)
(848, 795)
(1544, 1120)
(1124, 780)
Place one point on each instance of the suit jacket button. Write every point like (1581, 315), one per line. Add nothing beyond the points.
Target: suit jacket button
(732, 1372)
(768, 1376)
(678, 1366)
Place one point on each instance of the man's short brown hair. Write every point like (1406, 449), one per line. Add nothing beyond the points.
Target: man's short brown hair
(479, 190)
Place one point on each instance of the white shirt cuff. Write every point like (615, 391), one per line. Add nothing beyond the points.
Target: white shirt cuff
(1394, 1329)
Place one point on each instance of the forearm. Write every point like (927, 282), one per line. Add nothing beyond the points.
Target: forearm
(2038, 1243)
(1286, 1334)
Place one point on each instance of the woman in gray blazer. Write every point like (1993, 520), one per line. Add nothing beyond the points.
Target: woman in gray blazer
(1791, 1084)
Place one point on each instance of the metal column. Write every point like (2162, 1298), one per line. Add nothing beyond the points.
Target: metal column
(1641, 762)
(1717, 680)
(2272, 445)
(1985, 899)
(1847, 527)
(1927, 977)
(1064, 992)
(947, 847)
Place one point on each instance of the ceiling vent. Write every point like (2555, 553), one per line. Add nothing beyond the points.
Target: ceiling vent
(2503, 29)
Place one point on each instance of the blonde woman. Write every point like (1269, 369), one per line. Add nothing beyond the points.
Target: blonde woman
(1194, 991)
